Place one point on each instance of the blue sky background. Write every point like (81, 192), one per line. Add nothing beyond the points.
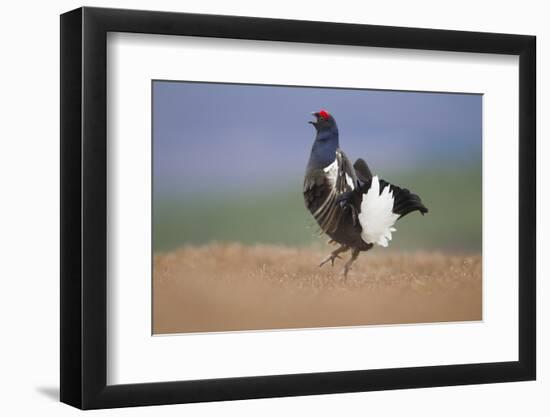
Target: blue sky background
(248, 135)
(215, 140)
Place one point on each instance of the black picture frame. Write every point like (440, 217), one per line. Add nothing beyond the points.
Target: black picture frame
(84, 207)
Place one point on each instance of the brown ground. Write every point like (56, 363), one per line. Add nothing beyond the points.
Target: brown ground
(235, 287)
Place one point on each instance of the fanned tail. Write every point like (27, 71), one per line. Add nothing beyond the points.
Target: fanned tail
(405, 202)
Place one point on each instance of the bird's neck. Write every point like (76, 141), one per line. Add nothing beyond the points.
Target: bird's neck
(323, 151)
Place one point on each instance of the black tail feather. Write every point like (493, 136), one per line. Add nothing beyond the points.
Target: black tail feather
(404, 202)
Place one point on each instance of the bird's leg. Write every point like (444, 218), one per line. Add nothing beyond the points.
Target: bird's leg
(348, 264)
(334, 254)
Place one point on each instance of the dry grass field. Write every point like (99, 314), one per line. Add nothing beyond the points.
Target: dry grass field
(224, 287)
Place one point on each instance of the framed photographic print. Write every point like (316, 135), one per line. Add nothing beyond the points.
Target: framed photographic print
(258, 208)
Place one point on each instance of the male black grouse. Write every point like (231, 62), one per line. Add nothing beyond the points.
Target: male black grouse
(353, 207)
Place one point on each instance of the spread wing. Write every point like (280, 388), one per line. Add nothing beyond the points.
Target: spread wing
(341, 179)
(362, 171)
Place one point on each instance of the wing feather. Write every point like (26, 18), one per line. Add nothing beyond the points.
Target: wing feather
(362, 170)
(329, 213)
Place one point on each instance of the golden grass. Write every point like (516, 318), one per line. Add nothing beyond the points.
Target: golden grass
(224, 287)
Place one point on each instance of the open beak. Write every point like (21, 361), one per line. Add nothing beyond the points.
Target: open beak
(316, 115)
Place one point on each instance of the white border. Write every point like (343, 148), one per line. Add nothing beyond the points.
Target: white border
(135, 356)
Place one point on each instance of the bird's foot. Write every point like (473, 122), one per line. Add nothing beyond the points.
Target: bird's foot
(332, 257)
(349, 263)
(345, 271)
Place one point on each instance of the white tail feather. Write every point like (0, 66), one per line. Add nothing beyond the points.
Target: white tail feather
(377, 217)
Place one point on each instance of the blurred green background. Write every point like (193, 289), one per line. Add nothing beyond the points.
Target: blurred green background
(279, 216)
(229, 161)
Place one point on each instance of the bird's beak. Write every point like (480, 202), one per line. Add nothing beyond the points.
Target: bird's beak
(316, 115)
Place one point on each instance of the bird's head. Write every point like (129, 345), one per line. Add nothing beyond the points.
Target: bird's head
(323, 151)
(323, 121)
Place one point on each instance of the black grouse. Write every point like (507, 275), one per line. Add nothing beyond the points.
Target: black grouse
(354, 208)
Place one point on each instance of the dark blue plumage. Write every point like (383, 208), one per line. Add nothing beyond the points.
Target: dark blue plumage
(323, 150)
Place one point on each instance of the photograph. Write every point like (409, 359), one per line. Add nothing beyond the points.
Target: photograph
(267, 206)
(298, 207)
